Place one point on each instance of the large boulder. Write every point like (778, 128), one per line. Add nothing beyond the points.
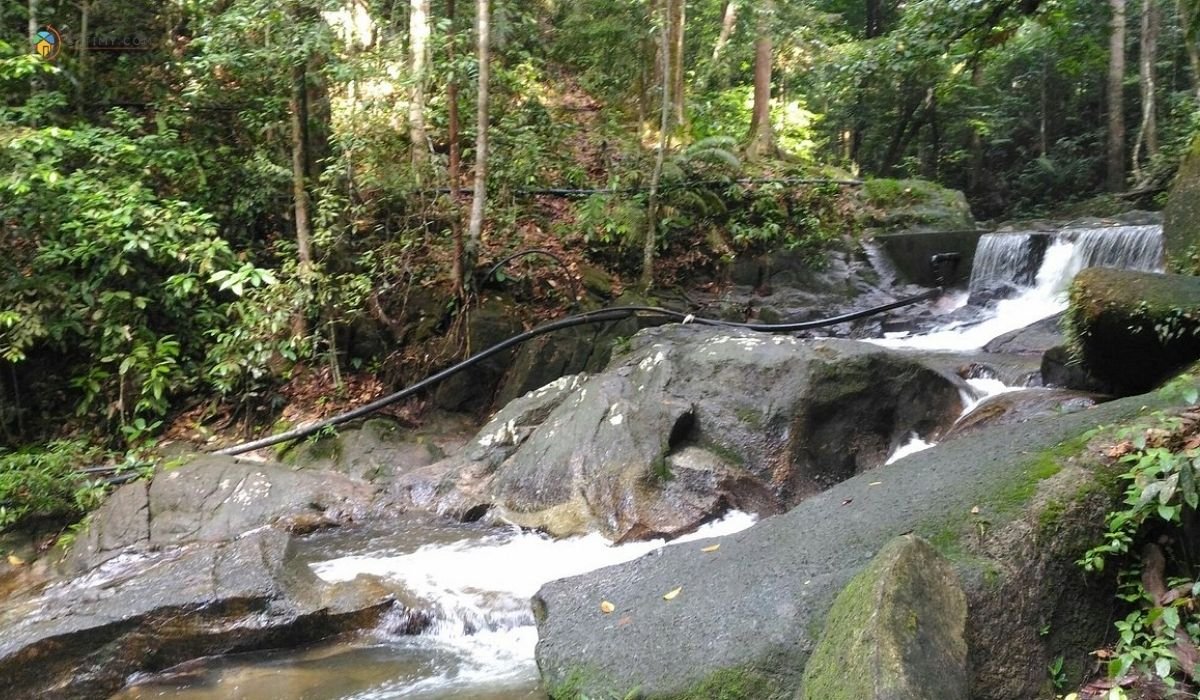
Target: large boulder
(690, 422)
(81, 639)
(1132, 329)
(215, 499)
(1181, 218)
(897, 631)
(1011, 518)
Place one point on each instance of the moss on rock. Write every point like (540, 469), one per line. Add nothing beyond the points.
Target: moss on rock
(896, 631)
(1181, 218)
(913, 205)
(1132, 329)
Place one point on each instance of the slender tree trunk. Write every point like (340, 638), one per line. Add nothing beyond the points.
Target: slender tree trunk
(1191, 42)
(651, 241)
(299, 158)
(678, 23)
(456, 271)
(300, 203)
(418, 37)
(1043, 108)
(475, 230)
(1116, 102)
(728, 22)
(33, 22)
(762, 137)
(975, 173)
(81, 49)
(1147, 54)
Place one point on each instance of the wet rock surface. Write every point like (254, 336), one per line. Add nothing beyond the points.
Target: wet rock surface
(215, 499)
(690, 422)
(1014, 407)
(82, 638)
(749, 615)
(1033, 339)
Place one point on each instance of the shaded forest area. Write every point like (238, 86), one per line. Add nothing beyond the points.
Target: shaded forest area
(214, 209)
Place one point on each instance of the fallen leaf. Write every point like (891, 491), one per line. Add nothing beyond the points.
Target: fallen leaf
(625, 620)
(14, 560)
(607, 607)
(848, 501)
(710, 548)
(975, 510)
(875, 483)
(1120, 449)
(670, 595)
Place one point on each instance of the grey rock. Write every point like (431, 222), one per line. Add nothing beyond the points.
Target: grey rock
(750, 614)
(80, 639)
(897, 631)
(215, 499)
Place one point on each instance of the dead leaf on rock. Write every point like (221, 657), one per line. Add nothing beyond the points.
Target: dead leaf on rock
(848, 501)
(1120, 449)
(670, 595)
(710, 548)
(14, 560)
(975, 510)
(607, 607)
(875, 483)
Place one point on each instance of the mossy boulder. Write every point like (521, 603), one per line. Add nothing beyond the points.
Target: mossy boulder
(892, 206)
(1011, 518)
(897, 631)
(1181, 218)
(1133, 329)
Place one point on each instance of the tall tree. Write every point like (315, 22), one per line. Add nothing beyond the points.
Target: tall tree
(664, 128)
(1147, 57)
(418, 38)
(1116, 101)
(678, 23)
(728, 22)
(456, 272)
(479, 196)
(761, 141)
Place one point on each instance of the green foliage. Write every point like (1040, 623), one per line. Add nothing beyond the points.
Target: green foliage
(1161, 494)
(44, 483)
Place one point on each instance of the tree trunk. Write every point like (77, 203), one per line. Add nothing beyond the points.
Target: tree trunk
(418, 37)
(1147, 53)
(1116, 102)
(456, 271)
(33, 22)
(678, 22)
(874, 20)
(303, 217)
(975, 173)
(300, 203)
(664, 128)
(1191, 42)
(475, 230)
(728, 22)
(762, 137)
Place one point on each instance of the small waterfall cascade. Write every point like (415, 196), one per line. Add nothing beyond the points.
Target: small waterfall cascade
(1055, 260)
(1021, 259)
(1012, 258)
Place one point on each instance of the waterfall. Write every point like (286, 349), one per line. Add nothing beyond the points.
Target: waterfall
(1012, 258)
(1060, 258)
(1021, 259)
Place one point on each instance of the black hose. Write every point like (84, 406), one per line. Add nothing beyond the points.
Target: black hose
(599, 316)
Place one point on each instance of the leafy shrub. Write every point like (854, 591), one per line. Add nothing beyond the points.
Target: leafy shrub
(45, 483)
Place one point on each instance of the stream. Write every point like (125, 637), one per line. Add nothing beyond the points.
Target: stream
(475, 582)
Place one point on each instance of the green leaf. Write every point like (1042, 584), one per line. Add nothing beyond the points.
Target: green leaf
(1162, 667)
(1170, 618)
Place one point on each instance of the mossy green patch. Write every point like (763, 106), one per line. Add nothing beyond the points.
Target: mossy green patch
(734, 684)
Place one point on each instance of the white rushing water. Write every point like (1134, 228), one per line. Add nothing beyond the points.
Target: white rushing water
(479, 591)
(1130, 247)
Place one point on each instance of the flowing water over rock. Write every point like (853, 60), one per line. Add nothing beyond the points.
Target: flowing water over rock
(474, 583)
(1064, 255)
